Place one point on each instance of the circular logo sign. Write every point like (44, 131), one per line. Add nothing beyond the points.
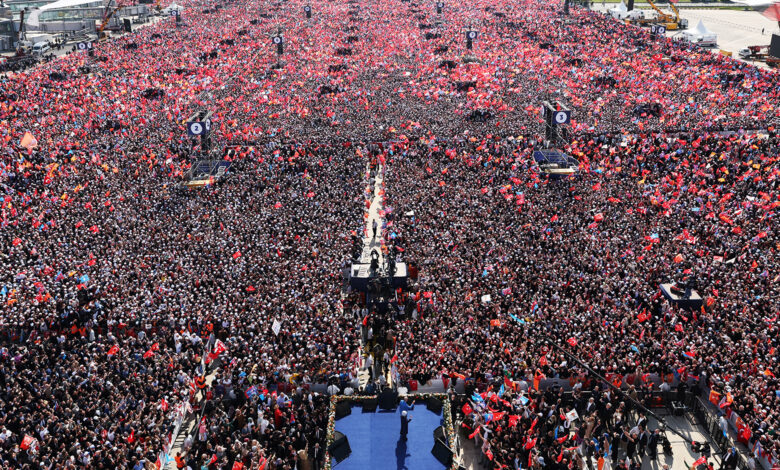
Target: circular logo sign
(472, 35)
(196, 128)
(561, 117)
(307, 8)
(277, 39)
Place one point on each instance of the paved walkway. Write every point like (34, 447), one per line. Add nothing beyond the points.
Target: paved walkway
(374, 193)
(187, 428)
(375, 215)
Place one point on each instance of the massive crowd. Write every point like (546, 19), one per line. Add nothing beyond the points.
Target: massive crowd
(555, 275)
(118, 285)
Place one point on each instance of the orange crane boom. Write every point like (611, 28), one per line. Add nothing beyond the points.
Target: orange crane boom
(106, 18)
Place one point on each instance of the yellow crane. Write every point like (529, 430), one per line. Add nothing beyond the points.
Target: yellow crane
(662, 17)
(106, 18)
(678, 23)
(672, 22)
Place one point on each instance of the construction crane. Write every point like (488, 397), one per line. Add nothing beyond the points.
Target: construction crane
(677, 23)
(671, 22)
(662, 17)
(19, 36)
(107, 18)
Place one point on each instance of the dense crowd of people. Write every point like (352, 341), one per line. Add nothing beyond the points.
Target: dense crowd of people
(127, 298)
(670, 208)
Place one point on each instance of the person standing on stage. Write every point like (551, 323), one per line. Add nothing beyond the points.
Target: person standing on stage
(404, 406)
(405, 424)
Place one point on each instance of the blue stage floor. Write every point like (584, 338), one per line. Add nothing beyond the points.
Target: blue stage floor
(376, 445)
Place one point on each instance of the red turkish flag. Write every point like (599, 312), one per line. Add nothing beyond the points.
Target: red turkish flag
(643, 316)
(773, 12)
(114, 349)
(27, 441)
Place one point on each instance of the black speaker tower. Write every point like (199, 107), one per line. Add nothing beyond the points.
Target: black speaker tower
(434, 405)
(343, 408)
(370, 404)
(442, 452)
(340, 449)
(388, 400)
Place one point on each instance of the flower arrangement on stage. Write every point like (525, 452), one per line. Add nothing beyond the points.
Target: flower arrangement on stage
(356, 399)
(331, 430)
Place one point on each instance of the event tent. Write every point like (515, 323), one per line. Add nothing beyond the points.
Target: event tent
(700, 35)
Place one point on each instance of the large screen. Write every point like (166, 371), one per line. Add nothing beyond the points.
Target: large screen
(774, 46)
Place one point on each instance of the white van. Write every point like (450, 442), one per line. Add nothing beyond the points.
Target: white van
(41, 48)
(745, 53)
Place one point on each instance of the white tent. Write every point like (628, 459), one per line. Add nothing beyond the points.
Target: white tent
(621, 7)
(173, 7)
(621, 12)
(700, 35)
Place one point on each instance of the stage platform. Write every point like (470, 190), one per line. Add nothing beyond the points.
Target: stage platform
(555, 163)
(694, 302)
(206, 172)
(376, 444)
